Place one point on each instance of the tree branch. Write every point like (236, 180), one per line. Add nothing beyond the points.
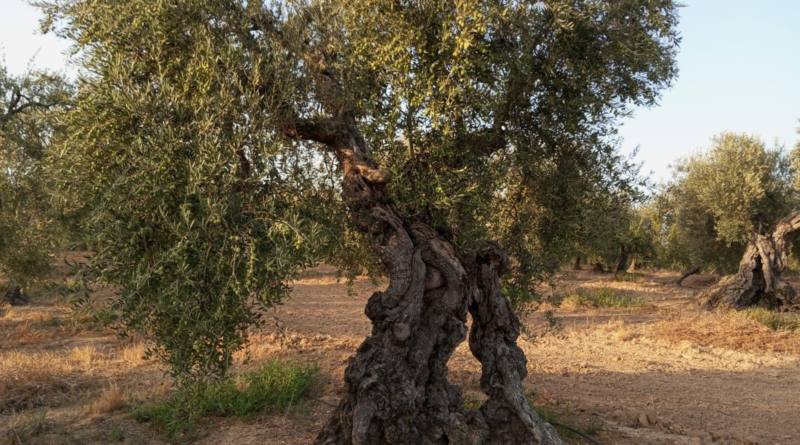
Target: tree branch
(15, 107)
(330, 132)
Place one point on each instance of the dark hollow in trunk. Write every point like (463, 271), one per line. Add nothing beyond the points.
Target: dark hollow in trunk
(689, 272)
(758, 281)
(396, 389)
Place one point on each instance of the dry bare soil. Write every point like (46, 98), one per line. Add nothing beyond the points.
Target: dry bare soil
(656, 370)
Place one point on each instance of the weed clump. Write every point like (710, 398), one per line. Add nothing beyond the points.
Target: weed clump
(600, 298)
(274, 386)
(629, 276)
(571, 428)
(777, 321)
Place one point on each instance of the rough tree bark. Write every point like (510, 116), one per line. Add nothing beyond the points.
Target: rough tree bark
(758, 281)
(633, 266)
(622, 260)
(689, 272)
(396, 387)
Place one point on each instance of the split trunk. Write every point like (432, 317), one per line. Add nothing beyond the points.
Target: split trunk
(758, 281)
(396, 389)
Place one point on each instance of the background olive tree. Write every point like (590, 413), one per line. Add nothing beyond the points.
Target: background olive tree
(29, 104)
(725, 202)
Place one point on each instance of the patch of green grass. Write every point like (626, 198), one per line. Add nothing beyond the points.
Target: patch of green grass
(629, 276)
(276, 385)
(553, 322)
(116, 434)
(568, 427)
(777, 321)
(602, 298)
(473, 401)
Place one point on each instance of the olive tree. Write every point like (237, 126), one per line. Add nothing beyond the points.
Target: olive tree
(28, 105)
(206, 135)
(734, 198)
(615, 230)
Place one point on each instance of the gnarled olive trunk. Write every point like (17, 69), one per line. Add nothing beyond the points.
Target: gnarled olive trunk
(396, 387)
(633, 265)
(622, 260)
(758, 281)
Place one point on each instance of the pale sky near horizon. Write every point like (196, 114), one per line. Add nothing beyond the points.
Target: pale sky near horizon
(739, 65)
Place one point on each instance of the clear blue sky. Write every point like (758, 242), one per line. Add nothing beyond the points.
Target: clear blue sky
(739, 70)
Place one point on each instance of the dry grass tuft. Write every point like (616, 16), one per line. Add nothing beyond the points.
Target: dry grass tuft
(133, 354)
(23, 428)
(31, 379)
(620, 331)
(110, 400)
(777, 321)
(84, 356)
(727, 329)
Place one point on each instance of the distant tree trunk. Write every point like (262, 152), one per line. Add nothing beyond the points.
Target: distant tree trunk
(15, 296)
(758, 281)
(633, 265)
(686, 274)
(396, 387)
(622, 260)
(577, 265)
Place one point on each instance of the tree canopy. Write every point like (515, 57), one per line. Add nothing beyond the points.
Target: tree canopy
(28, 106)
(720, 199)
(492, 118)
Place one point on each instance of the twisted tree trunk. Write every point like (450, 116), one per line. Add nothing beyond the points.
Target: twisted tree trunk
(622, 260)
(633, 266)
(396, 387)
(758, 281)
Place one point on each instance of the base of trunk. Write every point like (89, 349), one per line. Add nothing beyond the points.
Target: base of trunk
(396, 386)
(689, 272)
(757, 283)
(16, 297)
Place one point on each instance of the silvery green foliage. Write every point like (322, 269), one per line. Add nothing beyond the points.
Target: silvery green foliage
(495, 119)
(29, 104)
(720, 199)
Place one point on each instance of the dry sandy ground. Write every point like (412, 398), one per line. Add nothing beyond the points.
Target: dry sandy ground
(662, 373)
